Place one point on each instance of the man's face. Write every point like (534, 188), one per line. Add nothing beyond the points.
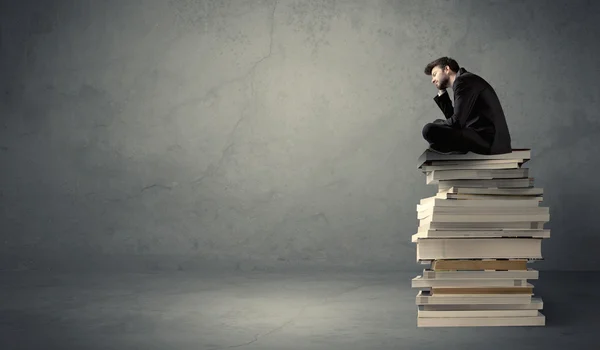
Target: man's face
(439, 77)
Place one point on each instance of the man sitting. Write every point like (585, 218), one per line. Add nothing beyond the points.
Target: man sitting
(476, 123)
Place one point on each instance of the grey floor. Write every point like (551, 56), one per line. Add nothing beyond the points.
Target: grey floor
(253, 310)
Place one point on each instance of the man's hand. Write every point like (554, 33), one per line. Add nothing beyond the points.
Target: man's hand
(441, 92)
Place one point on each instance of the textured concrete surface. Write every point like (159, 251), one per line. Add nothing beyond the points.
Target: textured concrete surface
(268, 311)
(172, 134)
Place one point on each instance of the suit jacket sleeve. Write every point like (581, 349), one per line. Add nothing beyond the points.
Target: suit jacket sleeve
(465, 96)
(443, 101)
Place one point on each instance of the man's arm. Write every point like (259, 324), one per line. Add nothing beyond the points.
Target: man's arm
(443, 101)
(465, 96)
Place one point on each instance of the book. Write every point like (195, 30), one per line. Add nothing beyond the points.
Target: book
(422, 282)
(483, 290)
(524, 154)
(425, 297)
(498, 233)
(486, 218)
(475, 196)
(435, 201)
(431, 274)
(472, 165)
(487, 183)
(483, 213)
(535, 303)
(538, 320)
(475, 313)
(426, 225)
(530, 191)
(479, 265)
(479, 248)
(434, 176)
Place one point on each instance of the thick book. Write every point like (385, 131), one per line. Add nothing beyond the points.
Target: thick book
(479, 248)
(471, 165)
(425, 297)
(530, 191)
(445, 185)
(421, 312)
(536, 303)
(529, 274)
(498, 233)
(466, 217)
(478, 214)
(479, 265)
(426, 225)
(528, 289)
(477, 197)
(520, 321)
(518, 153)
(433, 177)
(423, 282)
(435, 201)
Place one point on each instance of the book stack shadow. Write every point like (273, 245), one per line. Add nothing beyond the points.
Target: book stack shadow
(478, 235)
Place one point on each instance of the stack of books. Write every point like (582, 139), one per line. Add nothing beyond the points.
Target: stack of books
(477, 234)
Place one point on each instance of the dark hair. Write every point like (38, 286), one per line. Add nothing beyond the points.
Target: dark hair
(442, 62)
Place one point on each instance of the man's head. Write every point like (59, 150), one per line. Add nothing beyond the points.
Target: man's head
(441, 71)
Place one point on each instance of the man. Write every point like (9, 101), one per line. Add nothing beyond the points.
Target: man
(476, 123)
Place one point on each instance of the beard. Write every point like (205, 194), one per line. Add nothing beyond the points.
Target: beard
(443, 83)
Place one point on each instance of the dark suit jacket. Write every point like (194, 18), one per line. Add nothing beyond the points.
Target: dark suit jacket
(476, 106)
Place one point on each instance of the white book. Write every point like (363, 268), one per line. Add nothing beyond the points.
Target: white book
(421, 312)
(483, 209)
(535, 303)
(538, 320)
(425, 298)
(482, 165)
(423, 212)
(428, 225)
(479, 248)
(445, 185)
(427, 155)
(463, 196)
(435, 176)
(529, 274)
(498, 233)
(472, 162)
(435, 201)
(422, 282)
(483, 218)
(530, 191)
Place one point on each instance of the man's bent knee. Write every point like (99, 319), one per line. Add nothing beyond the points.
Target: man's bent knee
(427, 131)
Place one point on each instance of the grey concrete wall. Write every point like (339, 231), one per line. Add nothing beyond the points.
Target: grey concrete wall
(257, 134)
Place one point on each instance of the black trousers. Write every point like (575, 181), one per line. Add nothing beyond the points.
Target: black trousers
(445, 138)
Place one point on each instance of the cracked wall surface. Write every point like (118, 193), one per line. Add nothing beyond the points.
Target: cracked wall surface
(257, 134)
